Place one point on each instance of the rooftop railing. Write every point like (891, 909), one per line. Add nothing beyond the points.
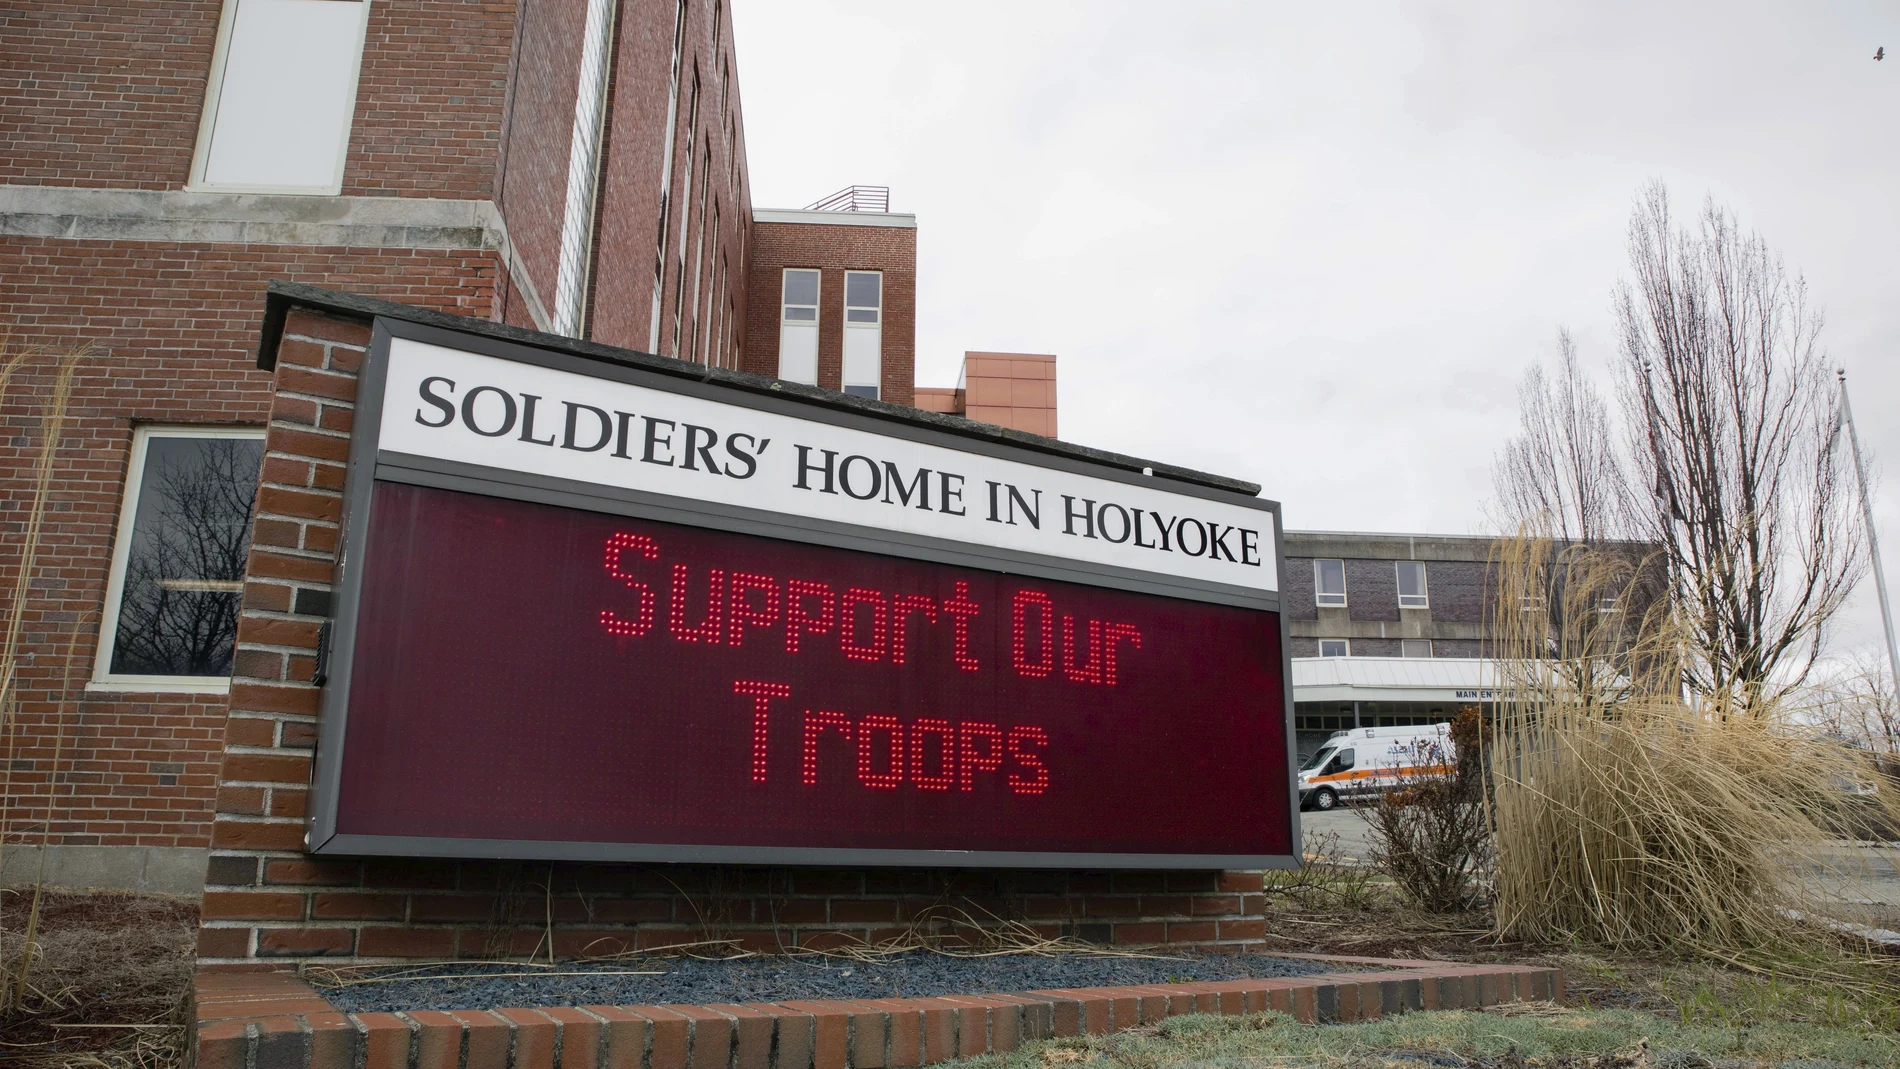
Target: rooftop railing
(855, 199)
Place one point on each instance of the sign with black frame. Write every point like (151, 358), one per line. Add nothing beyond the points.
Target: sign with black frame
(589, 609)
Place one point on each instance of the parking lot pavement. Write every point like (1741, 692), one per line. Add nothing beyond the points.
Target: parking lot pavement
(1347, 822)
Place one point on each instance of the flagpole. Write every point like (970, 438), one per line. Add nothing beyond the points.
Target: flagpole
(1873, 545)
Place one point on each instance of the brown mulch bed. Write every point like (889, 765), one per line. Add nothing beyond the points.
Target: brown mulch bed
(108, 981)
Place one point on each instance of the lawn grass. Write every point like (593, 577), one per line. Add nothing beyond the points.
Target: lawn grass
(1534, 1035)
(1839, 991)
(1334, 907)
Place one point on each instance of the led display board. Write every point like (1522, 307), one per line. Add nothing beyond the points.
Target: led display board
(591, 611)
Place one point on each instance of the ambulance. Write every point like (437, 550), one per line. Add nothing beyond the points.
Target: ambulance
(1365, 761)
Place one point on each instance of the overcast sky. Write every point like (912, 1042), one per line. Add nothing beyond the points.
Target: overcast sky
(1316, 245)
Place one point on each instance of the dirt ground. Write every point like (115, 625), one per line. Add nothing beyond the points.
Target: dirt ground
(108, 981)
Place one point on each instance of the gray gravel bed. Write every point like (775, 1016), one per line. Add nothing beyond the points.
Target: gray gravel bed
(776, 979)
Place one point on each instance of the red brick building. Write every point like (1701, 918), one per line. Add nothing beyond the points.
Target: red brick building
(577, 168)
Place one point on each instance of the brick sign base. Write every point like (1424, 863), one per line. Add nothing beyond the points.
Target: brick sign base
(249, 1020)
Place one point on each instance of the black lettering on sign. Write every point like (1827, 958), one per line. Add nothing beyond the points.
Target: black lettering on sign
(507, 411)
(439, 403)
(604, 430)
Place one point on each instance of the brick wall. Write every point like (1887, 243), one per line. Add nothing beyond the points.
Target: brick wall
(454, 101)
(449, 105)
(539, 126)
(1459, 590)
(266, 900)
(103, 94)
(111, 94)
(175, 328)
(1296, 592)
(630, 185)
(834, 250)
(429, 98)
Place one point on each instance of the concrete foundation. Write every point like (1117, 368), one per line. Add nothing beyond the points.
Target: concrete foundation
(176, 870)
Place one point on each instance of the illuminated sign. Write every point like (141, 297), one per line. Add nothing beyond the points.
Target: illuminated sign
(548, 656)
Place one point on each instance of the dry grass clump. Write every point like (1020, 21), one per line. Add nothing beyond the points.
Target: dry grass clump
(1632, 815)
(109, 977)
(1667, 827)
(53, 402)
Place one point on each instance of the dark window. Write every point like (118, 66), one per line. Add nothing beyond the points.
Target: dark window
(1412, 591)
(183, 559)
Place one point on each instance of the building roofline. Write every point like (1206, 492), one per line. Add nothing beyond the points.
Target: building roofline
(798, 215)
(1303, 533)
(281, 297)
(1390, 534)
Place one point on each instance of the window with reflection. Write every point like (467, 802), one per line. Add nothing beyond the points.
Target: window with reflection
(863, 332)
(178, 568)
(1412, 591)
(1329, 582)
(798, 327)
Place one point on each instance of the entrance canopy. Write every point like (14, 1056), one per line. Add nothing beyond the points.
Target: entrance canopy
(1435, 680)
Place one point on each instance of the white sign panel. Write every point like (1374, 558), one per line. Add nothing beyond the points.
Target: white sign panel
(459, 406)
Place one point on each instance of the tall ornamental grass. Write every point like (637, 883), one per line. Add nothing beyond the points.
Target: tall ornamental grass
(1630, 813)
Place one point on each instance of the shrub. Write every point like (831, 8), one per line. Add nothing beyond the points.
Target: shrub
(1430, 833)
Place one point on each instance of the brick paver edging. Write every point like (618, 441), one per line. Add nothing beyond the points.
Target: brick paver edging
(260, 1020)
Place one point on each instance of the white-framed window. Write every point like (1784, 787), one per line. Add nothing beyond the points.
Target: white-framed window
(1415, 647)
(686, 208)
(280, 98)
(1329, 583)
(666, 177)
(863, 332)
(1606, 604)
(798, 327)
(170, 618)
(1412, 592)
(1335, 647)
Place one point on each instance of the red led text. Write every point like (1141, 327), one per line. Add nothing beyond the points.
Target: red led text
(735, 609)
(1088, 647)
(717, 607)
(885, 752)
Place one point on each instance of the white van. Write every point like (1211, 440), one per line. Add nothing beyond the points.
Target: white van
(1368, 760)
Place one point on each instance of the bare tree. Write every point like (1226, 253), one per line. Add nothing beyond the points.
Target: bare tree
(1858, 705)
(1559, 476)
(1579, 593)
(1731, 421)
